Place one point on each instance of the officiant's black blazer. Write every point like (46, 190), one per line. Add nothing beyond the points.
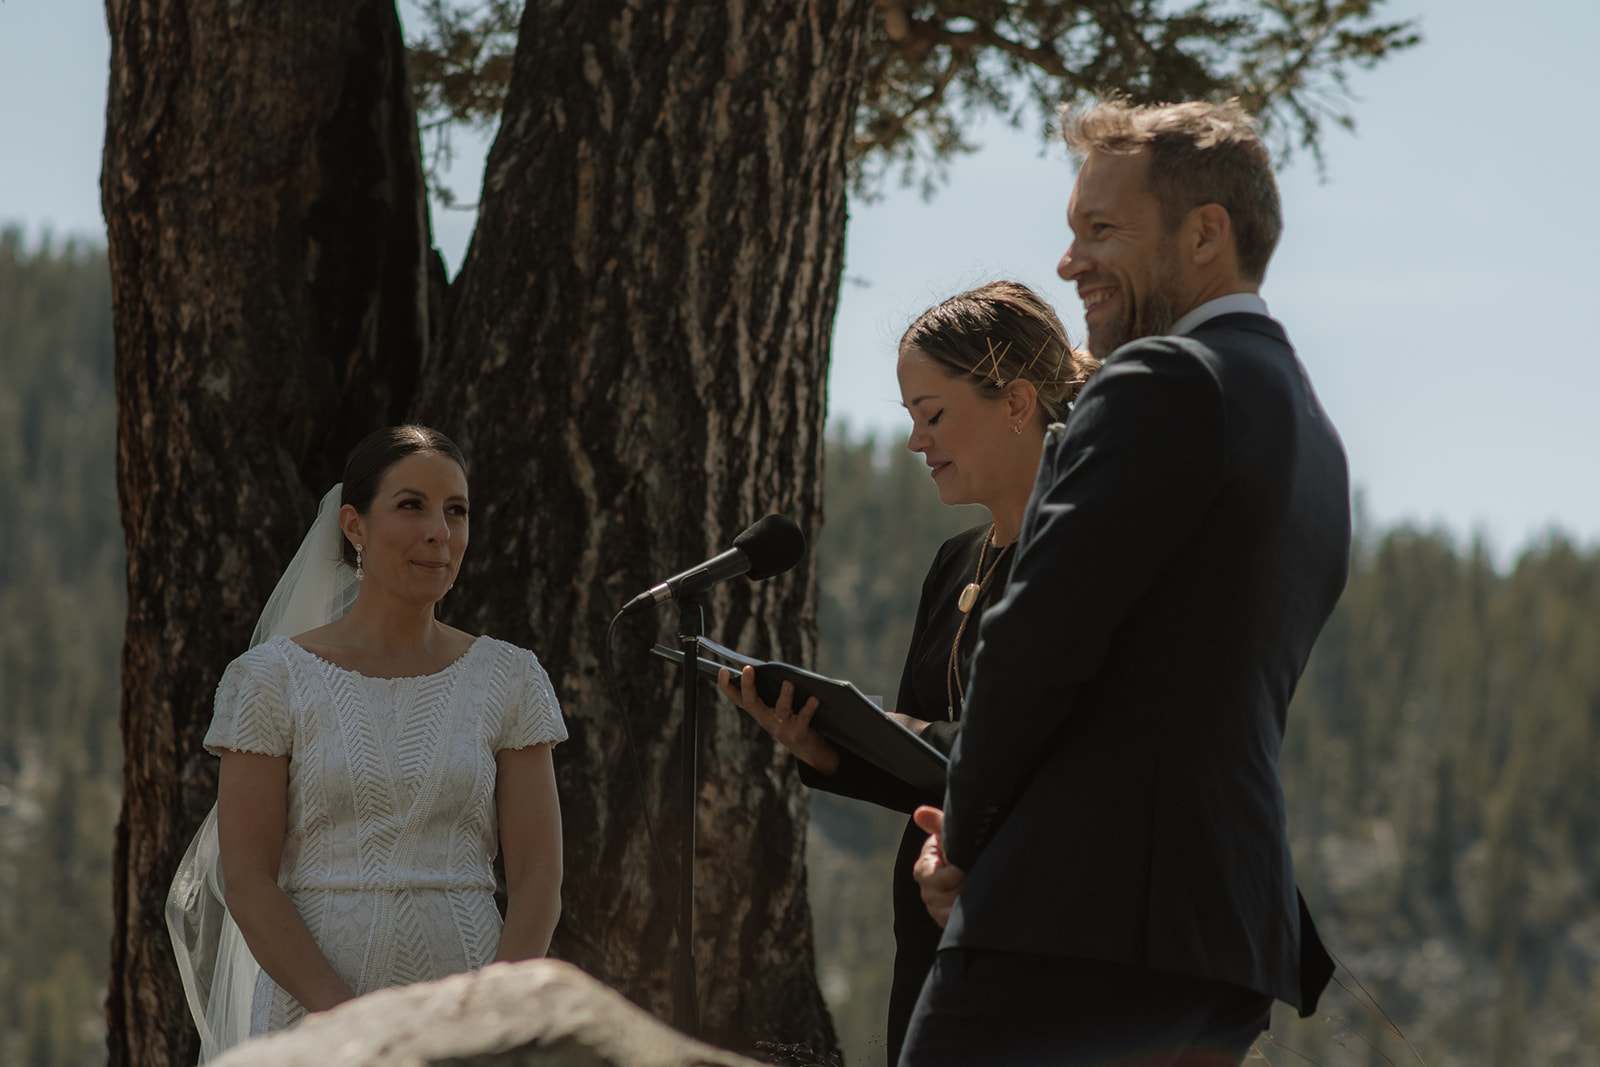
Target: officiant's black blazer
(1114, 793)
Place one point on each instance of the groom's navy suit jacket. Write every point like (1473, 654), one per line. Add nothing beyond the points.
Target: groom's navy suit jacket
(1114, 792)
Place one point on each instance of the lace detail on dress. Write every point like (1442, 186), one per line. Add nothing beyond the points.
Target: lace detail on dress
(391, 830)
(250, 712)
(533, 715)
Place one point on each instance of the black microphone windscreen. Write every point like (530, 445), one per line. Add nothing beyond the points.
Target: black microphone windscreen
(774, 544)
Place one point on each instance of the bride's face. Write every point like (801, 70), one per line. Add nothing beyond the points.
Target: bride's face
(414, 535)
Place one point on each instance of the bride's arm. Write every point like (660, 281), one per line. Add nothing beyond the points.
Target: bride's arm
(529, 814)
(252, 815)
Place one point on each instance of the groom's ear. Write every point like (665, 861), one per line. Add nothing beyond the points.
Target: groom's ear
(1208, 234)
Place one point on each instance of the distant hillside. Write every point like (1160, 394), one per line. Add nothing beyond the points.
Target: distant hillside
(1440, 764)
(1440, 768)
(61, 611)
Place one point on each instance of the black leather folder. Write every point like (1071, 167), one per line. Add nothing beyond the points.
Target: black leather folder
(844, 716)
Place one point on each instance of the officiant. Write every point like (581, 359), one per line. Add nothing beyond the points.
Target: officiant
(981, 375)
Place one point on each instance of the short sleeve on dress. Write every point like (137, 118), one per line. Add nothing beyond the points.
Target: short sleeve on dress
(252, 708)
(533, 716)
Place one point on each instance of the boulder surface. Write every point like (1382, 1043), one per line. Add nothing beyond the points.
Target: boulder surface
(537, 1013)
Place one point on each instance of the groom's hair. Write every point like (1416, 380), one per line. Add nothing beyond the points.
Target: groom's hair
(381, 449)
(1200, 154)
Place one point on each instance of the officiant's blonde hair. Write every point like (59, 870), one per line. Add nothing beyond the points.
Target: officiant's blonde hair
(1000, 333)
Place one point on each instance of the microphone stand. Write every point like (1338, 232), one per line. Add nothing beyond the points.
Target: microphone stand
(691, 627)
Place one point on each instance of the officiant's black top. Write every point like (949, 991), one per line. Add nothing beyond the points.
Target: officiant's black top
(923, 688)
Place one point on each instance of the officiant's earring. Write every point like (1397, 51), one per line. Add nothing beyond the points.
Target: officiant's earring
(1015, 429)
(360, 575)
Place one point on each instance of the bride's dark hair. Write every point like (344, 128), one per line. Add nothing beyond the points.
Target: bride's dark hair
(381, 449)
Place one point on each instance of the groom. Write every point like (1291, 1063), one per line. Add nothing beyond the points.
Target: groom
(1112, 863)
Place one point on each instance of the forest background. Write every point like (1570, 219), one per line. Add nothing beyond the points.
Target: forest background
(1439, 767)
(1440, 778)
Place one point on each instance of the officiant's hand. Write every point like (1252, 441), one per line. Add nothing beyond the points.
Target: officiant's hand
(916, 726)
(791, 728)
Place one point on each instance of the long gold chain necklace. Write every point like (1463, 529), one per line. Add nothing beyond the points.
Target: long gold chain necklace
(955, 694)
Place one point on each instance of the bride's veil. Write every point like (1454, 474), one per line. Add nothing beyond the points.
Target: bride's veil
(316, 587)
(219, 974)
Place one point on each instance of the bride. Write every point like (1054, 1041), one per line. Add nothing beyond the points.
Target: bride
(373, 761)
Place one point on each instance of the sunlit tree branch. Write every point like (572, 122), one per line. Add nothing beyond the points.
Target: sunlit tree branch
(938, 65)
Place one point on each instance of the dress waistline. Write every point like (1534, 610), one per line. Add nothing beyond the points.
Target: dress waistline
(385, 885)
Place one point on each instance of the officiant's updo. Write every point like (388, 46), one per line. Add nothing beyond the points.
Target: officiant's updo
(998, 333)
(375, 453)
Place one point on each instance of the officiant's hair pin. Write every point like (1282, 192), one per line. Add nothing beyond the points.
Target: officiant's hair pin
(993, 359)
(998, 334)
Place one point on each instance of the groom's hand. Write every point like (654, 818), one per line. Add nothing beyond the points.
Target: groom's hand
(940, 881)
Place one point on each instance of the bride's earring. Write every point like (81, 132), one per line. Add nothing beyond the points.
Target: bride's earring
(360, 576)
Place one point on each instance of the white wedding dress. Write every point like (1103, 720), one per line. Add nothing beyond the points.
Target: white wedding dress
(391, 809)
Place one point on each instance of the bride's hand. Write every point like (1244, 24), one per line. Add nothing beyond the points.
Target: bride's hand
(791, 728)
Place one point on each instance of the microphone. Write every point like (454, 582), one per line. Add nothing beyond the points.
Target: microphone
(771, 546)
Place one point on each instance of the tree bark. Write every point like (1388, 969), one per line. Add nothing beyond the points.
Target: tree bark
(270, 263)
(635, 363)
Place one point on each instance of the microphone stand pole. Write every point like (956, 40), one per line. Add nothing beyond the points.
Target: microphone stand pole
(691, 626)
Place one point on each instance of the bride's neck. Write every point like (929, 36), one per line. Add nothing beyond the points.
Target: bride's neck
(392, 626)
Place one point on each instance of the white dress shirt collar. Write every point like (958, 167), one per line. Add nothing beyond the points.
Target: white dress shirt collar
(1222, 305)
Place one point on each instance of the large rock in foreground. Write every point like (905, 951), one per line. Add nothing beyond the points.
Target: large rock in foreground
(539, 1013)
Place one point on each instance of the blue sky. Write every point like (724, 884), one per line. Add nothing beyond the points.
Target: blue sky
(1439, 284)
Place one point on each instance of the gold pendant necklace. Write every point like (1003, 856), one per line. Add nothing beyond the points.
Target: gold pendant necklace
(954, 691)
(969, 596)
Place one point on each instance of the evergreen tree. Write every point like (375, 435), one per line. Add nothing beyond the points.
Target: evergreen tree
(61, 609)
(653, 277)
(1438, 764)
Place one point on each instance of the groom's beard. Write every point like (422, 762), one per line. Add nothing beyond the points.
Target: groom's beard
(1152, 316)
(1148, 315)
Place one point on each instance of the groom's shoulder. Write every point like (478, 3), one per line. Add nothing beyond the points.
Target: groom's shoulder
(1241, 331)
(1146, 389)
(1228, 350)
(1169, 359)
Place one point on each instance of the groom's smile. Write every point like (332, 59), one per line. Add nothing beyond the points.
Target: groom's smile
(1121, 253)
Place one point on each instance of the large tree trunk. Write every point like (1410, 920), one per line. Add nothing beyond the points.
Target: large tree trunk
(635, 364)
(269, 255)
